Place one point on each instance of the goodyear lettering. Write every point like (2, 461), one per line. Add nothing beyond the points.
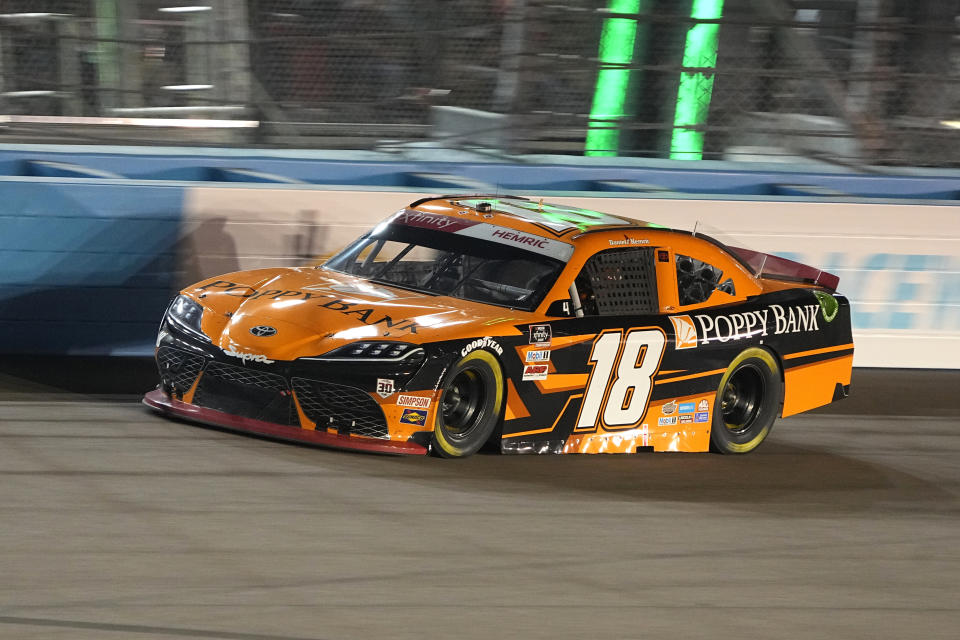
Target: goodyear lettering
(482, 343)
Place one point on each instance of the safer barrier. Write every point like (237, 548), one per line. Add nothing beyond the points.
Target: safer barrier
(89, 255)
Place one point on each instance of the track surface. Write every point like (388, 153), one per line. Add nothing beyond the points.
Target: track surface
(115, 523)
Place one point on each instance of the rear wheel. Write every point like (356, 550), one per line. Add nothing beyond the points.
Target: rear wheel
(470, 406)
(747, 402)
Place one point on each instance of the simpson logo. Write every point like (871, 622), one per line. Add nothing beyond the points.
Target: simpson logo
(540, 335)
(703, 405)
(414, 416)
(701, 416)
(535, 372)
(417, 402)
(538, 356)
(482, 343)
(247, 357)
(667, 422)
(686, 332)
(384, 387)
(686, 407)
(669, 409)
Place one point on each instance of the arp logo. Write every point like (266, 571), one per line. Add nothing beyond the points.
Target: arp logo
(686, 332)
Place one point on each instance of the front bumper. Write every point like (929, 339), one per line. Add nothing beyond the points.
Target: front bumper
(165, 404)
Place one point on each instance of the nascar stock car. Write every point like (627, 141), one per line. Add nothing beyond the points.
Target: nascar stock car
(464, 321)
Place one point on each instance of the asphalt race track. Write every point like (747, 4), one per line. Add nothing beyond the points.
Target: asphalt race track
(116, 523)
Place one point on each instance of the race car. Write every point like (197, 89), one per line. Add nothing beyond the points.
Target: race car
(468, 321)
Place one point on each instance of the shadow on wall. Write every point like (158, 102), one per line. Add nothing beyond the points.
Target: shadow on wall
(205, 252)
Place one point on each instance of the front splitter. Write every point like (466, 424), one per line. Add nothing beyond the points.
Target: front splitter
(163, 403)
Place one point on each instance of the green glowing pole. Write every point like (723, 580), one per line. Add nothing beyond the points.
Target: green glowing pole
(696, 85)
(617, 42)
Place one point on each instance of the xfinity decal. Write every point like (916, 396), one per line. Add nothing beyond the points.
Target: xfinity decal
(431, 221)
(540, 335)
(482, 343)
(248, 357)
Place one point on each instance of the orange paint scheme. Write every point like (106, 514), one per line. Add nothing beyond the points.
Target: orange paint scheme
(315, 310)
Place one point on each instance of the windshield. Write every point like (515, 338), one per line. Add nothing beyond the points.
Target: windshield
(443, 263)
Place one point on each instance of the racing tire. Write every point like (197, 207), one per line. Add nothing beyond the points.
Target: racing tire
(747, 402)
(470, 405)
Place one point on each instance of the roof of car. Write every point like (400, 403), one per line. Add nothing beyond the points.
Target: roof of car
(534, 216)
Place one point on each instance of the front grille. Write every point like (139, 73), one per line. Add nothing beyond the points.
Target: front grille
(246, 392)
(248, 377)
(178, 368)
(351, 410)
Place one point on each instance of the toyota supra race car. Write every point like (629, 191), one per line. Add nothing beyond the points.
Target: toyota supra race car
(464, 321)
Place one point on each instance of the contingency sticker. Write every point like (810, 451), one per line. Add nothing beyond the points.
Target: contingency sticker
(538, 356)
(535, 372)
(384, 387)
(414, 416)
(417, 402)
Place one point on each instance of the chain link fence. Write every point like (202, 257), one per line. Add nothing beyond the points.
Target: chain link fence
(848, 81)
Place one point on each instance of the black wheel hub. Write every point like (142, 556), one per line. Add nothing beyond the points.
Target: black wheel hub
(741, 399)
(462, 403)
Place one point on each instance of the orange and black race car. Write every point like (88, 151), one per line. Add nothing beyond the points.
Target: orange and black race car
(462, 321)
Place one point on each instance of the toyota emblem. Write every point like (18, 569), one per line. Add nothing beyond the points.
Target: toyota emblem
(263, 331)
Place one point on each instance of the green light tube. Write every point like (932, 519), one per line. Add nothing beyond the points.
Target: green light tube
(696, 87)
(609, 99)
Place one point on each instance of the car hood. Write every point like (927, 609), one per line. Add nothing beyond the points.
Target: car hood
(308, 311)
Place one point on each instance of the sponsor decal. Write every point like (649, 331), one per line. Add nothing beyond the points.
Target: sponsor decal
(431, 220)
(669, 408)
(628, 242)
(685, 419)
(828, 305)
(247, 357)
(417, 402)
(686, 407)
(735, 326)
(535, 371)
(645, 435)
(482, 343)
(263, 331)
(414, 416)
(384, 387)
(703, 405)
(540, 335)
(701, 416)
(667, 422)
(686, 332)
(521, 238)
(366, 315)
(538, 356)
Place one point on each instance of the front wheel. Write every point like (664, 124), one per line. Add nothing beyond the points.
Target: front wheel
(470, 405)
(747, 402)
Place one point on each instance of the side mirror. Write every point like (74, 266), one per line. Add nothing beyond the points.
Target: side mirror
(560, 308)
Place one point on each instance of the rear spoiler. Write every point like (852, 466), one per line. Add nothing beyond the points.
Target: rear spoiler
(768, 266)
